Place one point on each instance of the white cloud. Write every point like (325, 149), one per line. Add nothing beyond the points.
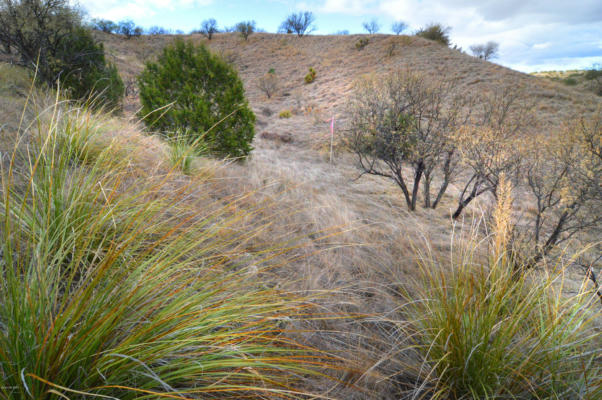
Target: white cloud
(354, 7)
(539, 46)
(531, 33)
(117, 10)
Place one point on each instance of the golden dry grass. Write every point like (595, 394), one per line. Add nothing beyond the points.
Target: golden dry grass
(363, 268)
(338, 64)
(351, 241)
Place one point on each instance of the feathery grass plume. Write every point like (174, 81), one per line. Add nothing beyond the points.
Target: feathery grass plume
(502, 220)
(113, 287)
(482, 331)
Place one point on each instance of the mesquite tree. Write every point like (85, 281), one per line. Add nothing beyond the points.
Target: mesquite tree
(562, 177)
(245, 29)
(398, 26)
(300, 23)
(269, 83)
(405, 120)
(490, 143)
(485, 51)
(209, 27)
(371, 26)
(48, 36)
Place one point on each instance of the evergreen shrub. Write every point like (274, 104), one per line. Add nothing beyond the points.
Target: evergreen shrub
(189, 89)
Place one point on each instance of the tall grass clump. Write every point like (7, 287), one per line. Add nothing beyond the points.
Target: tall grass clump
(485, 332)
(113, 287)
(181, 152)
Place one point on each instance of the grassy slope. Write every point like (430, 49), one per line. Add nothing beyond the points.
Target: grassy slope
(366, 276)
(293, 186)
(338, 63)
(94, 204)
(575, 78)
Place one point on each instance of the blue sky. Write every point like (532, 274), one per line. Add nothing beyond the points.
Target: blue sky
(534, 35)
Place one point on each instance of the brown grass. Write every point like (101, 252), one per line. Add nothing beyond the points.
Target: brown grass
(338, 64)
(351, 241)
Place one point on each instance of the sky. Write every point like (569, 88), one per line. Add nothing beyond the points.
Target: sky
(534, 35)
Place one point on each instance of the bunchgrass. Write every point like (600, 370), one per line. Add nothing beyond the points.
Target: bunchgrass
(181, 153)
(112, 287)
(485, 331)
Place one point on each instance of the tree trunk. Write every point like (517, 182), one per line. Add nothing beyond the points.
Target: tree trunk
(427, 189)
(404, 188)
(547, 247)
(417, 177)
(447, 167)
(465, 201)
(442, 190)
(555, 234)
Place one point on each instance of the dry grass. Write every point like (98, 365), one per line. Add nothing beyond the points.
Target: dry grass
(350, 242)
(338, 64)
(576, 79)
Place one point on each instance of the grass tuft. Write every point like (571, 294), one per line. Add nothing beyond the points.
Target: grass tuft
(485, 331)
(113, 287)
(181, 154)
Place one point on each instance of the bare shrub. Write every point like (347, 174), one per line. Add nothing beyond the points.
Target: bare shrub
(269, 84)
(267, 111)
(491, 143)
(562, 180)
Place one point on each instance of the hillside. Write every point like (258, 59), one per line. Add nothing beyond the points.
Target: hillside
(374, 257)
(352, 250)
(339, 63)
(585, 80)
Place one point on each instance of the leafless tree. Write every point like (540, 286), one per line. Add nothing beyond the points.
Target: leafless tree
(300, 23)
(371, 26)
(490, 144)
(399, 26)
(485, 51)
(401, 121)
(209, 27)
(563, 181)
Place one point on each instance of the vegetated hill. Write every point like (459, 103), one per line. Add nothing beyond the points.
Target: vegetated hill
(375, 257)
(585, 80)
(351, 241)
(340, 60)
